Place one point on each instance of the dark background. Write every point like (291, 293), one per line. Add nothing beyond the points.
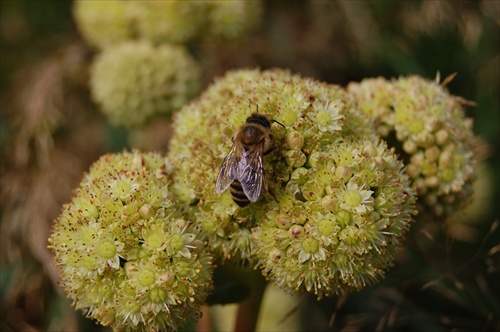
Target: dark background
(446, 278)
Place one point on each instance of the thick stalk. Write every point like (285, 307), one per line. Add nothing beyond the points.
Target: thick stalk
(248, 311)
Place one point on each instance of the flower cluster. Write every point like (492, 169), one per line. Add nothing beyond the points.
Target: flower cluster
(332, 215)
(135, 80)
(104, 23)
(232, 20)
(127, 253)
(314, 113)
(428, 127)
(339, 221)
(327, 165)
(144, 68)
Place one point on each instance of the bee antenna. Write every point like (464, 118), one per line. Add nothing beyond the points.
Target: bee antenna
(272, 120)
(275, 121)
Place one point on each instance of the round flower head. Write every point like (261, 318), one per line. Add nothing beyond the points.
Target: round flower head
(173, 21)
(428, 127)
(133, 81)
(339, 222)
(232, 19)
(106, 23)
(127, 254)
(102, 23)
(362, 190)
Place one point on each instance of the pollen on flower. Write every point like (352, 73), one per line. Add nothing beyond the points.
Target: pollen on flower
(310, 245)
(113, 259)
(294, 140)
(210, 226)
(326, 227)
(146, 211)
(343, 172)
(350, 235)
(425, 119)
(355, 199)
(89, 262)
(109, 23)
(288, 117)
(330, 250)
(296, 231)
(176, 242)
(283, 220)
(106, 249)
(352, 199)
(328, 176)
(158, 295)
(132, 306)
(155, 239)
(292, 101)
(146, 277)
(130, 82)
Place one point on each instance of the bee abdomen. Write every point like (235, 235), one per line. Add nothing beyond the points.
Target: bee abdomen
(237, 194)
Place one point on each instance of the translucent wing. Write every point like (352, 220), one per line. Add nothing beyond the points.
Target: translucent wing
(229, 169)
(251, 172)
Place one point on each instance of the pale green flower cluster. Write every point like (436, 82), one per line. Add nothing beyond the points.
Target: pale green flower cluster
(173, 21)
(339, 221)
(144, 68)
(332, 189)
(203, 133)
(428, 127)
(103, 23)
(134, 81)
(232, 19)
(127, 254)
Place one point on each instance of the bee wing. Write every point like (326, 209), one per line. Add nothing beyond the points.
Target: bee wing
(251, 172)
(229, 169)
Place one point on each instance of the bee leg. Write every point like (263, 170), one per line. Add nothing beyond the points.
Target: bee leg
(271, 149)
(270, 191)
(272, 194)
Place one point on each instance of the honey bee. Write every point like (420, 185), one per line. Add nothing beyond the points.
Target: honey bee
(242, 170)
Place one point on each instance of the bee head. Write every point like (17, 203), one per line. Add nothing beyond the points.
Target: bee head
(259, 119)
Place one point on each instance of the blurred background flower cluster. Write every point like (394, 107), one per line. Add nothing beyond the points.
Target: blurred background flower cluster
(72, 75)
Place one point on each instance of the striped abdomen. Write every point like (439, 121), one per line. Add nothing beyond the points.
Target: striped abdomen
(237, 194)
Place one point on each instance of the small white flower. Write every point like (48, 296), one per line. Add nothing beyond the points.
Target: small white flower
(327, 115)
(354, 198)
(309, 248)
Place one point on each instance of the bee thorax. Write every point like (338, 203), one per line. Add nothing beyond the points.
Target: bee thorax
(250, 134)
(242, 170)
